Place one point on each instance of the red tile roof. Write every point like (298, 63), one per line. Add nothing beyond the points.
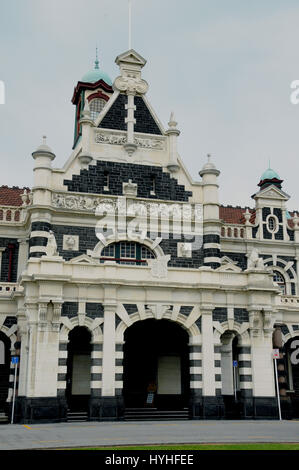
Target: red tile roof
(235, 215)
(11, 196)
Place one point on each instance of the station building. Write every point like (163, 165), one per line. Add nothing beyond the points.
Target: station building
(128, 291)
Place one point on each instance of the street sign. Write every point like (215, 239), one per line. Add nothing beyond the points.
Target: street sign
(275, 353)
(14, 360)
(235, 363)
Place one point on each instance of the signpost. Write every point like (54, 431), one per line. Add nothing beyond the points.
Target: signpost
(275, 357)
(14, 360)
(235, 364)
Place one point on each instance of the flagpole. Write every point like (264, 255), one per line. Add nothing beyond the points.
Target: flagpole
(130, 24)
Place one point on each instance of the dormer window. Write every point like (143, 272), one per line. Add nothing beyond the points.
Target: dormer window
(96, 106)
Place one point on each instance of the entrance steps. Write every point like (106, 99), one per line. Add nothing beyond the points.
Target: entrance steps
(76, 416)
(153, 414)
(3, 418)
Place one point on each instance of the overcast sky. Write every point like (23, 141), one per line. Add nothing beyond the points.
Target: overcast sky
(223, 67)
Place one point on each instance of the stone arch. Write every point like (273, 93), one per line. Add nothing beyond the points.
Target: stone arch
(193, 330)
(69, 324)
(241, 331)
(290, 335)
(11, 334)
(284, 272)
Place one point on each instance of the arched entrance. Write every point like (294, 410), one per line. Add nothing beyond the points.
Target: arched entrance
(156, 359)
(4, 370)
(291, 349)
(78, 369)
(230, 375)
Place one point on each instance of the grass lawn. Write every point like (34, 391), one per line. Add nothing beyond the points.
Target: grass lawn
(251, 446)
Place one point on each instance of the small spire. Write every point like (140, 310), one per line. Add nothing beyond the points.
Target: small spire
(96, 62)
(209, 157)
(44, 140)
(172, 121)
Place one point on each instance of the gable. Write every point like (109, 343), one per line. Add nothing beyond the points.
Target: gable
(93, 181)
(116, 115)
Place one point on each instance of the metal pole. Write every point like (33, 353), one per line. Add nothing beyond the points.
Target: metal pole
(14, 394)
(235, 385)
(277, 388)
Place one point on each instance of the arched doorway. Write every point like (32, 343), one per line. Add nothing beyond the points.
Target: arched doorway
(156, 359)
(78, 369)
(291, 356)
(4, 370)
(230, 375)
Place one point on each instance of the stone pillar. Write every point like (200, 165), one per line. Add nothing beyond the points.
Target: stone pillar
(285, 400)
(41, 402)
(110, 403)
(212, 404)
(23, 255)
(211, 221)
(263, 384)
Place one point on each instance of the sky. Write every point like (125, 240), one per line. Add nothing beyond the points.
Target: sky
(224, 68)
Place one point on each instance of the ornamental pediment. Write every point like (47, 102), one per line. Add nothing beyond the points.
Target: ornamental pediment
(272, 192)
(228, 265)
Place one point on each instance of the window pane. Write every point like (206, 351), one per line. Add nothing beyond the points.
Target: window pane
(96, 107)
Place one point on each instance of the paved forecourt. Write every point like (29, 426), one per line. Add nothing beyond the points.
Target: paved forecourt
(129, 433)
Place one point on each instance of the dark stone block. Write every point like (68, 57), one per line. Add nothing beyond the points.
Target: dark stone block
(220, 314)
(265, 407)
(106, 408)
(241, 315)
(41, 410)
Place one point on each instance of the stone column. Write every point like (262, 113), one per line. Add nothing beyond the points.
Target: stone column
(265, 404)
(212, 404)
(23, 255)
(109, 409)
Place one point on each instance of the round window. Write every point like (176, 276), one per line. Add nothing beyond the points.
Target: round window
(272, 225)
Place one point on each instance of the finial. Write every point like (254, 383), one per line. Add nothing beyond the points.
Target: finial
(96, 62)
(209, 157)
(44, 140)
(172, 121)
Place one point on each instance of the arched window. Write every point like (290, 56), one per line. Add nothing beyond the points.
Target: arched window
(96, 106)
(280, 280)
(127, 253)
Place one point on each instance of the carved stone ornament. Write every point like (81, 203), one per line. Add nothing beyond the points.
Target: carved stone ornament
(255, 323)
(114, 139)
(51, 248)
(254, 262)
(88, 203)
(185, 250)
(131, 85)
(130, 189)
(159, 266)
(71, 242)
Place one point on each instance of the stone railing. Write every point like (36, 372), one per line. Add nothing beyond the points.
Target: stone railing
(6, 288)
(233, 231)
(288, 301)
(11, 214)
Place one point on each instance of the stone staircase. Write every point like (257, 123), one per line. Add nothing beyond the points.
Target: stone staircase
(76, 416)
(153, 414)
(3, 418)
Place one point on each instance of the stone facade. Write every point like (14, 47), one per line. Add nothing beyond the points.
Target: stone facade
(121, 273)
